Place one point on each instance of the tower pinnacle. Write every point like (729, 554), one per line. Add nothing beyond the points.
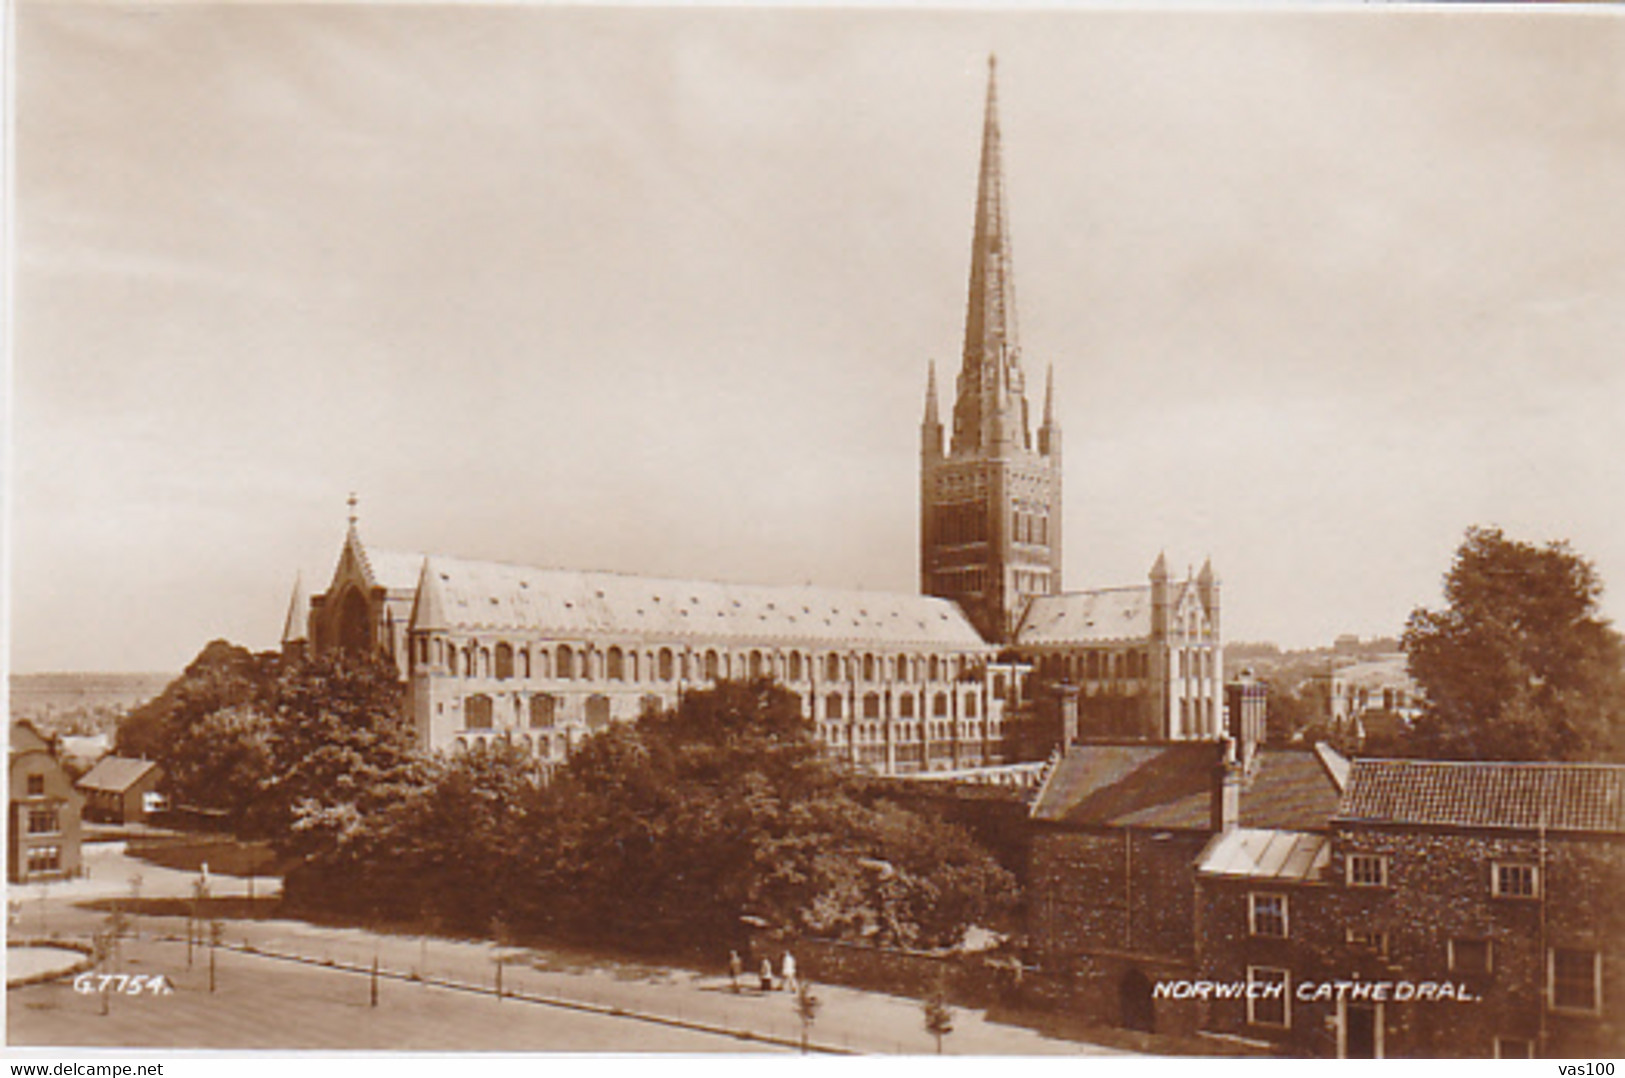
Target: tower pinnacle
(990, 410)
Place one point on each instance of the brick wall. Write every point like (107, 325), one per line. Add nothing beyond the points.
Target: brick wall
(1438, 889)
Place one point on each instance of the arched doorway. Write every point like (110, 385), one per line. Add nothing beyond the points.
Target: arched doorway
(1134, 1001)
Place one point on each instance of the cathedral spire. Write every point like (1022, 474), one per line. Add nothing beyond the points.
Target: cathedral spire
(990, 410)
(931, 419)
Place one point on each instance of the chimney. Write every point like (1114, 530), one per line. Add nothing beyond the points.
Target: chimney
(1067, 694)
(1225, 805)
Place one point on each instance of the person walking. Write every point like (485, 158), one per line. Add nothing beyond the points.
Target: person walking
(788, 967)
(735, 969)
(767, 975)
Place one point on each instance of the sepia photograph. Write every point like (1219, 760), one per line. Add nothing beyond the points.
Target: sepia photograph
(557, 530)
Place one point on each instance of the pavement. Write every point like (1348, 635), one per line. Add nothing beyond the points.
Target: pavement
(586, 990)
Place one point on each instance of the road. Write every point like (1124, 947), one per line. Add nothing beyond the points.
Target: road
(291, 985)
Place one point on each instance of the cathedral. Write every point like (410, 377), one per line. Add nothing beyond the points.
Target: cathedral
(893, 683)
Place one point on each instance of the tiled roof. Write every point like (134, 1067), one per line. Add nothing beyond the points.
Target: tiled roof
(1264, 854)
(1563, 797)
(1170, 784)
(472, 595)
(115, 773)
(1076, 617)
(394, 570)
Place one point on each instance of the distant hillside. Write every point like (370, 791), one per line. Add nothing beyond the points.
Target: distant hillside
(81, 703)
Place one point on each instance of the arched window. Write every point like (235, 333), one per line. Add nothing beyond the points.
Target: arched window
(868, 668)
(712, 666)
(477, 712)
(970, 706)
(939, 705)
(544, 663)
(504, 661)
(524, 663)
(617, 671)
(755, 664)
(936, 669)
(567, 662)
(795, 666)
(905, 706)
(544, 709)
(832, 667)
(666, 666)
(871, 705)
(1094, 664)
(832, 706)
(632, 665)
(597, 711)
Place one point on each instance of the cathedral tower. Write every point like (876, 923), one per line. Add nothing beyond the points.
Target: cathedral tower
(990, 501)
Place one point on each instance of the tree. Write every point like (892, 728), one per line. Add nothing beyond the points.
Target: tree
(939, 1017)
(807, 1006)
(1518, 665)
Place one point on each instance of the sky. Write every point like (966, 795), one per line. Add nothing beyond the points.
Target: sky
(655, 290)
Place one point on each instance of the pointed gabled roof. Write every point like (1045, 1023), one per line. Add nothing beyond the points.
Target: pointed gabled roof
(990, 319)
(294, 628)
(990, 409)
(481, 596)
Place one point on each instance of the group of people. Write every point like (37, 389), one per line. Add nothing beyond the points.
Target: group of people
(787, 972)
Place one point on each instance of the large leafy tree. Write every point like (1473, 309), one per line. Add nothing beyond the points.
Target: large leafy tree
(672, 831)
(1518, 665)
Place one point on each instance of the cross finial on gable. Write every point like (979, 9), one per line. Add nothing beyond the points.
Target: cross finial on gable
(351, 502)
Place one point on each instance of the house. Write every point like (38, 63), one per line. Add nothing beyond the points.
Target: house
(42, 818)
(1455, 909)
(121, 790)
(1372, 702)
(1117, 830)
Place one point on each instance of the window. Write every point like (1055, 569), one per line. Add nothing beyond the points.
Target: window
(616, 671)
(566, 662)
(713, 666)
(871, 705)
(504, 662)
(477, 713)
(1514, 1048)
(597, 712)
(1267, 997)
(42, 821)
(1266, 914)
(795, 666)
(36, 785)
(1514, 880)
(939, 706)
(832, 706)
(1470, 956)
(1367, 940)
(543, 711)
(832, 668)
(970, 707)
(1367, 870)
(905, 706)
(45, 859)
(1575, 979)
(665, 664)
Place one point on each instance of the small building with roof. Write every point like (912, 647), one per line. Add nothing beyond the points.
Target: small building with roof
(1117, 830)
(123, 790)
(1455, 909)
(42, 817)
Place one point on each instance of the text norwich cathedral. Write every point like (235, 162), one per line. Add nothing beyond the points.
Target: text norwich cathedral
(894, 683)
